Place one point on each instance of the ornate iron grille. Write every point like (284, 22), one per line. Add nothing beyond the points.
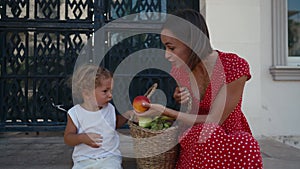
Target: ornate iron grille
(40, 41)
(120, 8)
(39, 44)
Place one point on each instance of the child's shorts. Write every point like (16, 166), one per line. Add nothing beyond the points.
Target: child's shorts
(111, 162)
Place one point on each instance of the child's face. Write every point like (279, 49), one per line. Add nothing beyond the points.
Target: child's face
(103, 93)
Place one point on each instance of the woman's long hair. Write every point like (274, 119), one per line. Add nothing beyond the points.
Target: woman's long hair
(194, 33)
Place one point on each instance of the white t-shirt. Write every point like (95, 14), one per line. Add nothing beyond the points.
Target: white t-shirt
(102, 122)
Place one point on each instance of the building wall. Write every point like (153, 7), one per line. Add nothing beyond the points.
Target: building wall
(244, 27)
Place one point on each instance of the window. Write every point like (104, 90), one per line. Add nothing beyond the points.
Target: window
(286, 40)
(294, 32)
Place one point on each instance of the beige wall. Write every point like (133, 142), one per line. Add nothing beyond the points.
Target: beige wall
(244, 27)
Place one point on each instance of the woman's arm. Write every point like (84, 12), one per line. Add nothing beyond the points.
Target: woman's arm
(224, 103)
(71, 137)
(226, 100)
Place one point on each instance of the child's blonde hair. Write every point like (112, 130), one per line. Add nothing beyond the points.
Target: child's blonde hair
(88, 77)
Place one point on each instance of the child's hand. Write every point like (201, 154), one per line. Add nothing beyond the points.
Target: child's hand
(181, 95)
(92, 139)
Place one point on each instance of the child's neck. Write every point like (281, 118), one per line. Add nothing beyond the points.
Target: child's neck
(90, 107)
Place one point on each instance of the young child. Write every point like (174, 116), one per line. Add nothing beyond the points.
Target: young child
(91, 123)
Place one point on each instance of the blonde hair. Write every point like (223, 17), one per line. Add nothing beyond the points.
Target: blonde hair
(88, 77)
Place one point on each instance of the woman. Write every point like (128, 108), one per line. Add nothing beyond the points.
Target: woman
(218, 134)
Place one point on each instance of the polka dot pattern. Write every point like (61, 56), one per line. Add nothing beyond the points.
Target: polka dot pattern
(209, 145)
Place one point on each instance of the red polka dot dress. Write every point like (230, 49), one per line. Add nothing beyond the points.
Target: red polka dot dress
(209, 145)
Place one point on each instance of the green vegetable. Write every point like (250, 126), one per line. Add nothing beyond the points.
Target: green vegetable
(145, 121)
(156, 123)
(166, 118)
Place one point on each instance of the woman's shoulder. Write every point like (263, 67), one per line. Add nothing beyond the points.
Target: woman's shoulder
(234, 66)
(231, 58)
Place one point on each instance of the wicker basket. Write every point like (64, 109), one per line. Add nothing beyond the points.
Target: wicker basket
(155, 149)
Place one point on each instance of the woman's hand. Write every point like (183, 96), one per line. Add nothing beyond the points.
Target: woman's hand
(181, 95)
(154, 110)
(92, 139)
(132, 115)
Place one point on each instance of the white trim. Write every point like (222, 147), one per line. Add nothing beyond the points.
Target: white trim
(280, 69)
(293, 61)
(287, 73)
(202, 7)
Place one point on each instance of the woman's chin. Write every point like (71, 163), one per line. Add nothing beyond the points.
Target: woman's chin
(175, 64)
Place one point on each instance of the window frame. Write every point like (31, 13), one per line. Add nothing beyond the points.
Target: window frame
(280, 69)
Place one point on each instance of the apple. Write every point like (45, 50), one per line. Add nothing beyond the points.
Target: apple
(138, 104)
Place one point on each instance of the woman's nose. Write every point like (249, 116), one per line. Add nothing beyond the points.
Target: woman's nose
(168, 55)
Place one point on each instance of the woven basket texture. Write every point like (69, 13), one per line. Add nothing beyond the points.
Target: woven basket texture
(155, 149)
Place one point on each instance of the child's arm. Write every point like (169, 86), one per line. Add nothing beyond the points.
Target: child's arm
(71, 137)
(123, 118)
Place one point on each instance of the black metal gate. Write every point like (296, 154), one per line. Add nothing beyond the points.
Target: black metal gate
(39, 44)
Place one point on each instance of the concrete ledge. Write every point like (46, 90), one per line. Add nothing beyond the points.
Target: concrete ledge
(42, 150)
(277, 155)
(48, 151)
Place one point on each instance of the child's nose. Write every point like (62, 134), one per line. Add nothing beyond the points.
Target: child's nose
(110, 94)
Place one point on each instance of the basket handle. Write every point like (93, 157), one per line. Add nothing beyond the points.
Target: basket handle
(151, 90)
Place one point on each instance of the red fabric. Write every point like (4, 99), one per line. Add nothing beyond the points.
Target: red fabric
(209, 145)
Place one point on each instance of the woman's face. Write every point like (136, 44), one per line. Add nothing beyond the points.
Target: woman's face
(176, 51)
